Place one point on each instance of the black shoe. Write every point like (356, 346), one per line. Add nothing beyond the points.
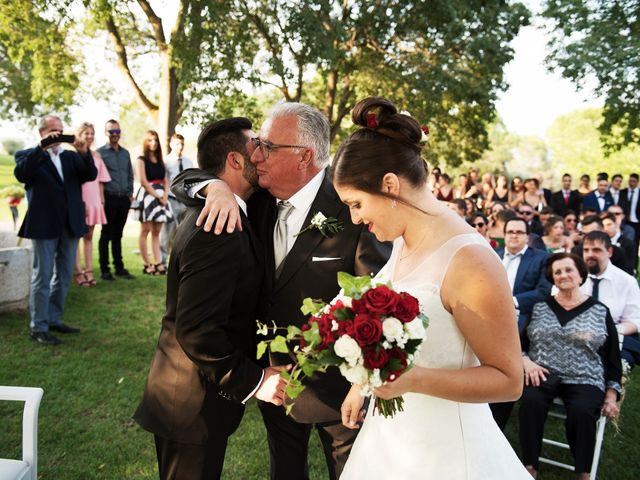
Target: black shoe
(107, 276)
(124, 273)
(64, 328)
(44, 338)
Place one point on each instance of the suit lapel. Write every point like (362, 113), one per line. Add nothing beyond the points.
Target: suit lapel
(522, 268)
(329, 204)
(52, 168)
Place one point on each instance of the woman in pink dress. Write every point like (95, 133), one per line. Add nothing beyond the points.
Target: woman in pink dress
(93, 197)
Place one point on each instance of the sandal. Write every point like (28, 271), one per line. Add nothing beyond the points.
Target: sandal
(81, 279)
(89, 276)
(149, 269)
(160, 269)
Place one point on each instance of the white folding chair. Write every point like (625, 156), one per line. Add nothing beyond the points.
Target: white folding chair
(27, 468)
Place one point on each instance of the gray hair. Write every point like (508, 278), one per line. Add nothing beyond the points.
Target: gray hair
(313, 128)
(43, 121)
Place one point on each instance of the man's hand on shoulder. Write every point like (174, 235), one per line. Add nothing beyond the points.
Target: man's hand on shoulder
(272, 387)
(219, 207)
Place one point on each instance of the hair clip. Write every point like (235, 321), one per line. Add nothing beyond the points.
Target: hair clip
(425, 134)
(372, 120)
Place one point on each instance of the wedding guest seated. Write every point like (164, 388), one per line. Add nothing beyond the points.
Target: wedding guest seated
(525, 268)
(496, 231)
(500, 193)
(618, 290)
(480, 222)
(472, 205)
(443, 190)
(516, 192)
(528, 213)
(532, 195)
(544, 214)
(626, 229)
(584, 188)
(571, 226)
(628, 247)
(459, 206)
(570, 350)
(600, 199)
(554, 238)
(593, 223)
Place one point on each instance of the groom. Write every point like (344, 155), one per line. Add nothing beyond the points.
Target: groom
(203, 370)
(291, 157)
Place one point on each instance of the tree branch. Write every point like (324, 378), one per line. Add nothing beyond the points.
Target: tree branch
(123, 65)
(156, 23)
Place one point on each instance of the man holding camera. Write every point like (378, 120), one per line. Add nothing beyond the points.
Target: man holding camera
(54, 222)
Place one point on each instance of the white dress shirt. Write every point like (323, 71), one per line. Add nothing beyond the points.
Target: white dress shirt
(633, 201)
(511, 263)
(615, 194)
(172, 166)
(601, 201)
(619, 291)
(54, 154)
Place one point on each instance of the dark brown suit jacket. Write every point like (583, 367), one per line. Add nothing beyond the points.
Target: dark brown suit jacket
(207, 341)
(354, 250)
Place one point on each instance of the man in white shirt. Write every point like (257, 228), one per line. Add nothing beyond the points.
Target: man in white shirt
(614, 189)
(618, 290)
(175, 163)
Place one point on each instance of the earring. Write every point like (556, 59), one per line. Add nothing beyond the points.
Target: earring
(393, 204)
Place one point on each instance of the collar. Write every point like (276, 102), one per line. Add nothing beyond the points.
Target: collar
(108, 145)
(54, 153)
(241, 203)
(172, 157)
(304, 197)
(616, 237)
(607, 274)
(514, 255)
(613, 190)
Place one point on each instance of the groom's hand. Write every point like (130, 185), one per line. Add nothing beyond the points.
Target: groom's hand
(272, 387)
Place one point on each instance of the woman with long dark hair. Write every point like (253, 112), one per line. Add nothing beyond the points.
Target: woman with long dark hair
(471, 352)
(154, 201)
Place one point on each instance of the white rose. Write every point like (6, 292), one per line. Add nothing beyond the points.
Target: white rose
(392, 329)
(347, 348)
(318, 219)
(357, 374)
(415, 329)
(375, 381)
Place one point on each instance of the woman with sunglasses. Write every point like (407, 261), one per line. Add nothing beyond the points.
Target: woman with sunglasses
(571, 230)
(480, 222)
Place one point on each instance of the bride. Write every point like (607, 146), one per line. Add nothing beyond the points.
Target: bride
(471, 353)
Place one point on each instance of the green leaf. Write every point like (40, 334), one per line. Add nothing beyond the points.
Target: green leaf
(343, 314)
(262, 328)
(262, 347)
(293, 390)
(311, 306)
(279, 345)
(292, 332)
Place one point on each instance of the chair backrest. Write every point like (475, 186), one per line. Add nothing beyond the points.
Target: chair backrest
(31, 397)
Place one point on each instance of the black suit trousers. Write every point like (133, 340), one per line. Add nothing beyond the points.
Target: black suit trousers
(116, 210)
(182, 461)
(289, 444)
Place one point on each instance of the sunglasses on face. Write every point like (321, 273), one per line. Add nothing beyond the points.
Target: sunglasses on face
(479, 224)
(114, 131)
(267, 147)
(570, 220)
(525, 213)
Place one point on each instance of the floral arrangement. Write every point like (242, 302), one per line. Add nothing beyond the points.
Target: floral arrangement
(370, 332)
(325, 225)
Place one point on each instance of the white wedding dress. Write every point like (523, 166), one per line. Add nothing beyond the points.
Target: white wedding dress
(434, 438)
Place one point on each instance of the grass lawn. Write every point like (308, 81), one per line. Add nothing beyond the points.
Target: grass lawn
(94, 380)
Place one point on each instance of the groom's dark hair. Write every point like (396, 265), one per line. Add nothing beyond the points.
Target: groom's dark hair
(218, 139)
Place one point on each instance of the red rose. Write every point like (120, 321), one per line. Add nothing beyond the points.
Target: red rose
(336, 306)
(375, 358)
(304, 328)
(425, 129)
(401, 357)
(359, 306)
(372, 120)
(380, 300)
(345, 327)
(407, 307)
(325, 323)
(367, 329)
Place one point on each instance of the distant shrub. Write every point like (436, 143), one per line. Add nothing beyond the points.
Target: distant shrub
(11, 145)
(13, 191)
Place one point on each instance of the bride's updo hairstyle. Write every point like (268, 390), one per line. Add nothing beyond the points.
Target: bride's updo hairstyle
(387, 142)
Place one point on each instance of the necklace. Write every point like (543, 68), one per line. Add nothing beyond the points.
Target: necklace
(416, 247)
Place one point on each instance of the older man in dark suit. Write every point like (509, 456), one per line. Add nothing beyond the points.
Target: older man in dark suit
(204, 367)
(292, 154)
(54, 222)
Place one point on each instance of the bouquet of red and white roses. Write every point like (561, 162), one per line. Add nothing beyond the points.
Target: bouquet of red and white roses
(370, 332)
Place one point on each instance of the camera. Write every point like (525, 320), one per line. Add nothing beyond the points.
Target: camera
(62, 138)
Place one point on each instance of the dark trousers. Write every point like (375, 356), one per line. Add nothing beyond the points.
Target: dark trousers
(501, 413)
(116, 209)
(582, 404)
(631, 349)
(289, 444)
(182, 461)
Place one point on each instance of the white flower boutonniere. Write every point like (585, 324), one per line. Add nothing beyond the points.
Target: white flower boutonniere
(327, 226)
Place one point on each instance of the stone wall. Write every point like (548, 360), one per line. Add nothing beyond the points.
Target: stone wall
(15, 271)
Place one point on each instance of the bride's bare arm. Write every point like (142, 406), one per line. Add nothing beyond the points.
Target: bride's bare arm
(476, 291)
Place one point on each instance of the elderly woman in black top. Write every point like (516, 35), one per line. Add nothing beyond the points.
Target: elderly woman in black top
(570, 350)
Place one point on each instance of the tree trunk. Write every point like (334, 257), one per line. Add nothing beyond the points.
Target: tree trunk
(170, 101)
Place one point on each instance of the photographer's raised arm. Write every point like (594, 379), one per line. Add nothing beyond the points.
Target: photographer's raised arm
(220, 204)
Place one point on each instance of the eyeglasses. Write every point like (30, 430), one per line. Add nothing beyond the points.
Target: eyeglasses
(479, 224)
(570, 220)
(525, 213)
(267, 147)
(114, 131)
(515, 232)
(618, 214)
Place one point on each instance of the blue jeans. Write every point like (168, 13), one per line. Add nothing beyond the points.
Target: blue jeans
(53, 262)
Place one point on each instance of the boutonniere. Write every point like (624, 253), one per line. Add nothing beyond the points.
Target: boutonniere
(327, 226)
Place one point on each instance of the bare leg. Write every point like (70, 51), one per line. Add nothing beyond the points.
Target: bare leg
(87, 244)
(532, 471)
(156, 228)
(145, 228)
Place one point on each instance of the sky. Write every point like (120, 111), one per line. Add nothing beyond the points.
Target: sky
(534, 99)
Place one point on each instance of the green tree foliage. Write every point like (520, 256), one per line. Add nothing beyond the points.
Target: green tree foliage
(38, 72)
(576, 147)
(601, 40)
